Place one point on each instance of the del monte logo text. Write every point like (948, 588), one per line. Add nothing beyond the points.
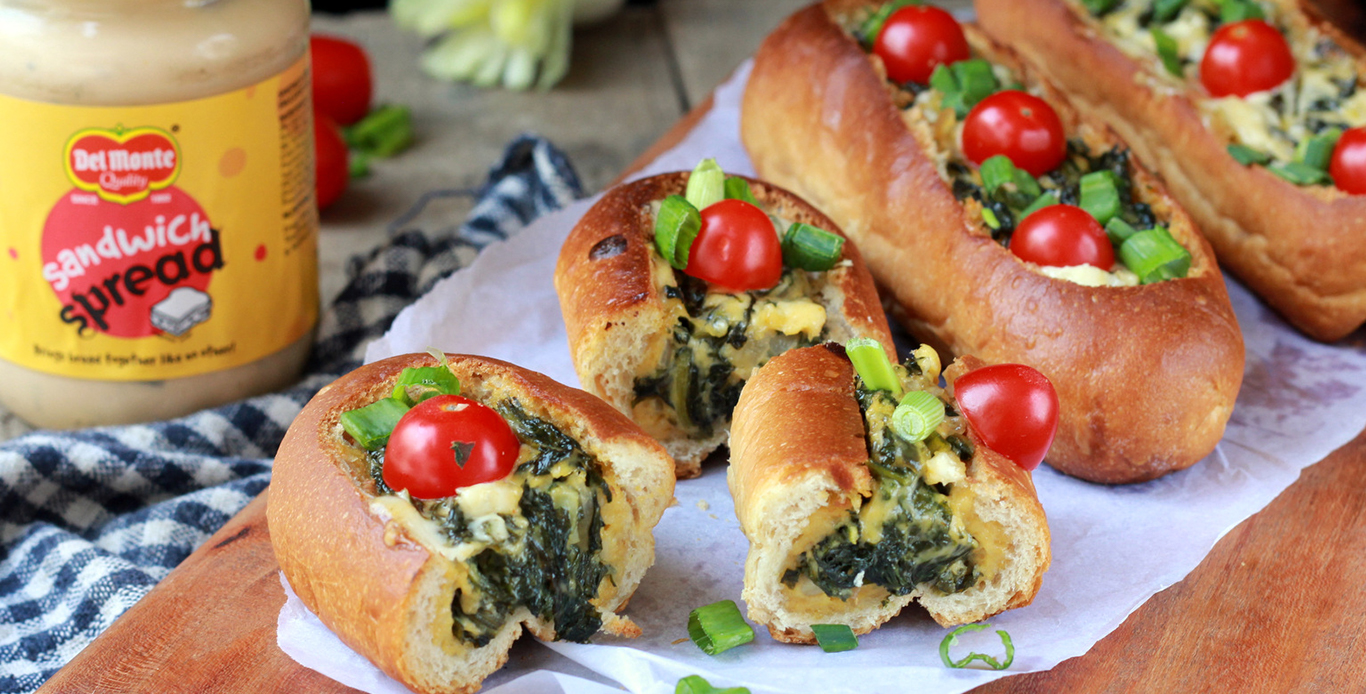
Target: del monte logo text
(122, 166)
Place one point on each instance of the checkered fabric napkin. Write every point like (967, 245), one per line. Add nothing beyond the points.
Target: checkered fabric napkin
(90, 520)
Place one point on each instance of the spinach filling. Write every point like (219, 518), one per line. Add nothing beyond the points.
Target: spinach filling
(713, 348)
(548, 559)
(917, 542)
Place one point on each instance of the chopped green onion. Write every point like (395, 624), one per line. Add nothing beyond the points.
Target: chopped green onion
(416, 384)
(1100, 195)
(706, 185)
(944, 80)
(1100, 7)
(358, 166)
(676, 227)
(872, 365)
(718, 627)
(1299, 173)
(990, 218)
(996, 172)
(1248, 156)
(917, 416)
(952, 640)
(834, 638)
(976, 79)
(811, 248)
(1238, 10)
(1154, 256)
(1317, 150)
(1119, 230)
(1167, 51)
(384, 132)
(1026, 183)
(738, 189)
(694, 684)
(1166, 10)
(1045, 200)
(873, 25)
(371, 425)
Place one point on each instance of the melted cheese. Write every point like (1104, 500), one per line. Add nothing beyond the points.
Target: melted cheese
(796, 317)
(992, 540)
(1092, 276)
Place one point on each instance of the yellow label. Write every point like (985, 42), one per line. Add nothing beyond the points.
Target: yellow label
(152, 242)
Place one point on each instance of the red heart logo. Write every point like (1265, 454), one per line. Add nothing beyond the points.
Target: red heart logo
(122, 166)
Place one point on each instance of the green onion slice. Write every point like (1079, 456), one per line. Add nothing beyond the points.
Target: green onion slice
(384, 132)
(694, 684)
(1100, 7)
(1026, 183)
(1299, 173)
(1167, 51)
(1237, 11)
(371, 425)
(738, 189)
(1248, 156)
(873, 25)
(952, 640)
(420, 383)
(996, 172)
(1045, 200)
(1119, 230)
(719, 627)
(1154, 256)
(917, 416)
(1100, 195)
(1317, 150)
(834, 638)
(976, 79)
(1166, 10)
(811, 248)
(706, 185)
(873, 366)
(990, 218)
(676, 227)
(944, 80)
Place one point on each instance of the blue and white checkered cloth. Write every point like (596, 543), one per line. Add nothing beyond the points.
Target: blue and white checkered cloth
(90, 520)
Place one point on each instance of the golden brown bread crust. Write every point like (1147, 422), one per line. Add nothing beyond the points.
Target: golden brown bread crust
(373, 582)
(1146, 376)
(799, 450)
(617, 320)
(1302, 249)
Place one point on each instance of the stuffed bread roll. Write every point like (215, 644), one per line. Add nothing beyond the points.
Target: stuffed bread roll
(851, 517)
(952, 188)
(671, 340)
(518, 503)
(1253, 152)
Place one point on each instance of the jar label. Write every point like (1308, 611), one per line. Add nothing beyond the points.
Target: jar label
(152, 242)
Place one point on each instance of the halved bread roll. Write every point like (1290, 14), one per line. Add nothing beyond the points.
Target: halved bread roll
(648, 338)
(971, 539)
(434, 592)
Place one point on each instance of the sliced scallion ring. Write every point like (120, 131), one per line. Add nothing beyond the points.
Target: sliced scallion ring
(1248, 156)
(384, 132)
(1045, 200)
(996, 172)
(1119, 230)
(1238, 10)
(811, 248)
(1299, 173)
(706, 185)
(371, 425)
(976, 79)
(1100, 195)
(416, 384)
(1167, 50)
(1154, 256)
(834, 638)
(676, 227)
(738, 189)
(952, 640)
(873, 366)
(1317, 150)
(695, 684)
(718, 627)
(1166, 10)
(917, 416)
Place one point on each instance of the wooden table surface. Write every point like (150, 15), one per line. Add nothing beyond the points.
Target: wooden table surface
(1277, 606)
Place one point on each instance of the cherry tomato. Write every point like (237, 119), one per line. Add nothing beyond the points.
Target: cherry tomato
(917, 39)
(1246, 57)
(1061, 236)
(332, 172)
(1348, 165)
(1013, 408)
(341, 78)
(448, 442)
(1021, 126)
(737, 248)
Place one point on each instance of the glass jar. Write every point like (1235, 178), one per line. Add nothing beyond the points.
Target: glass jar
(158, 233)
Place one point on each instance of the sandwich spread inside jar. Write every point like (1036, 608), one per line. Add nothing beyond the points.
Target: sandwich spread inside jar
(158, 234)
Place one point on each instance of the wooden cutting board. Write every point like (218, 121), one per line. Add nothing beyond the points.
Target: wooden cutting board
(1278, 605)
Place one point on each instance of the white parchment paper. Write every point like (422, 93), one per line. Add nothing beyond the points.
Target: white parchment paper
(1113, 547)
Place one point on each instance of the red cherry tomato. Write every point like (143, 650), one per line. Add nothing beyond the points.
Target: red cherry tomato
(1013, 408)
(425, 452)
(341, 78)
(1246, 57)
(332, 171)
(1021, 126)
(737, 248)
(1060, 236)
(1348, 165)
(917, 39)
